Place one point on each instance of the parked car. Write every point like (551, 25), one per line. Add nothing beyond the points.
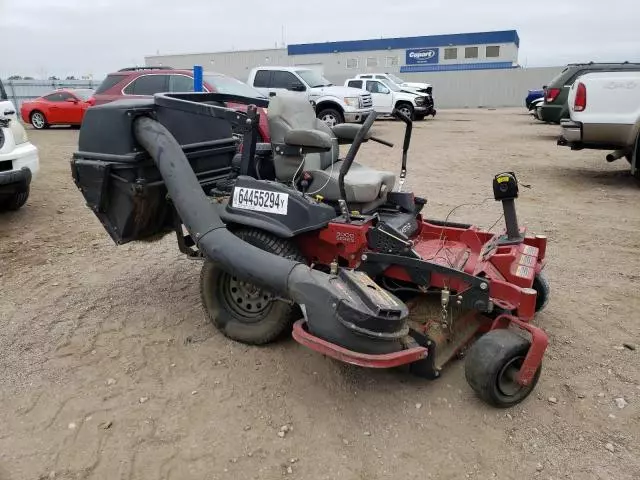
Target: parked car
(419, 87)
(604, 113)
(555, 106)
(532, 96)
(19, 162)
(136, 82)
(65, 106)
(333, 104)
(387, 95)
(424, 90)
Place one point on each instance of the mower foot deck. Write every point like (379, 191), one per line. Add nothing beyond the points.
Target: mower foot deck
(388, 360)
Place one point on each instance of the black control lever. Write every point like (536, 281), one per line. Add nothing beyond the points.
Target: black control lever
(505, 190)
(405, 147)
(379, 140)
(348, 160)
(250, 138)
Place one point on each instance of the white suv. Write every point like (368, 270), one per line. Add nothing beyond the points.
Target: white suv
(333, 104)
(19, 161)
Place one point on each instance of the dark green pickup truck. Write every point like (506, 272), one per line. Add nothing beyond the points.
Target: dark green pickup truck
(555, 106)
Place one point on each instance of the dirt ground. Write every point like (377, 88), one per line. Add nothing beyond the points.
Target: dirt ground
(111, 371)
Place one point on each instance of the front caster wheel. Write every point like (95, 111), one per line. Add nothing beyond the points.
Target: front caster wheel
(491, 367)
(542, 288)
(242, 311)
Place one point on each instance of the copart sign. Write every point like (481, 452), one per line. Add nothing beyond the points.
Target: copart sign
(417, 56)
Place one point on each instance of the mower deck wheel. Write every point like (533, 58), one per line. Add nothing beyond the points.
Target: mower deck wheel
(242, 311)
(491, 367)
(541, 286)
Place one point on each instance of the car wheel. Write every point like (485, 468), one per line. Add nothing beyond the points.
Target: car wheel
(16, 201)
(38, 120)
(331, 117)
(636, 152)
(406, 109)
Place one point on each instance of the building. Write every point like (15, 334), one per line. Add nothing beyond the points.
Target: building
(340, 60)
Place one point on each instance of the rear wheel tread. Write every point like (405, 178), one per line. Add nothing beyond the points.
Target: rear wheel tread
(276, 320)
(543, 289)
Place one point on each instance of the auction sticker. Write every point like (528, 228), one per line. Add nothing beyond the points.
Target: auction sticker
(260, 200)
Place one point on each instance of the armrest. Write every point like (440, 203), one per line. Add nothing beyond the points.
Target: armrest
(309, 140)
(346, 132)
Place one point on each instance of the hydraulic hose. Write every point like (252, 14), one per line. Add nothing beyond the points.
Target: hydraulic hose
(201, 219)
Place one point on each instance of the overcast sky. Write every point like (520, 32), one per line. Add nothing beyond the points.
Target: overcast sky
(81, 37)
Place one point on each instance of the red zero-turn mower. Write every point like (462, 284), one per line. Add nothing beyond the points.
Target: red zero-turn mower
(291, 233)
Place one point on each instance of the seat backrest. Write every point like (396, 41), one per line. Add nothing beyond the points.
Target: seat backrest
(290, 112)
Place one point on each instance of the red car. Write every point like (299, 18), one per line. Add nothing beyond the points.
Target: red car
(146, 81)
(65, 106)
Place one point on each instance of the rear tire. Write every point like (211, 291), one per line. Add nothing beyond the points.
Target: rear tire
(242, 311)
(491, 365)
(38, 120)
(331, 116)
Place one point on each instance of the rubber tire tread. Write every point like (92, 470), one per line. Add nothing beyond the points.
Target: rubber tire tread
(15, 202)
(541, 285)
(280, 317)
(46, 124)
(399, 105)
(336, 113)
(486, 358)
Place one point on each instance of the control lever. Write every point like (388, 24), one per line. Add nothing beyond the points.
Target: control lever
(379, 140)
(505, 190)
(405, 147)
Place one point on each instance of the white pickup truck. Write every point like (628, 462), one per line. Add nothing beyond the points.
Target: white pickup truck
(333, 104)
(605, 114)
(418, 87)
(387, 95)
(19, 161)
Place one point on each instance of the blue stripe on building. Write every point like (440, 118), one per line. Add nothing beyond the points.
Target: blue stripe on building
(506, 36)
(455, 67)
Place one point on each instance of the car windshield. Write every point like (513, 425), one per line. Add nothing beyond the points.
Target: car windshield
(231, 86)
(393, 78)
(393, 86)
(313, 78)
(83, 93)
(557, 78)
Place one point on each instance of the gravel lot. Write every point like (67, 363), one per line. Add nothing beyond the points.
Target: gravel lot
(111, 371)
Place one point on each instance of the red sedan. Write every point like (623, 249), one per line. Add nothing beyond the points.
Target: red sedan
(65, 106)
